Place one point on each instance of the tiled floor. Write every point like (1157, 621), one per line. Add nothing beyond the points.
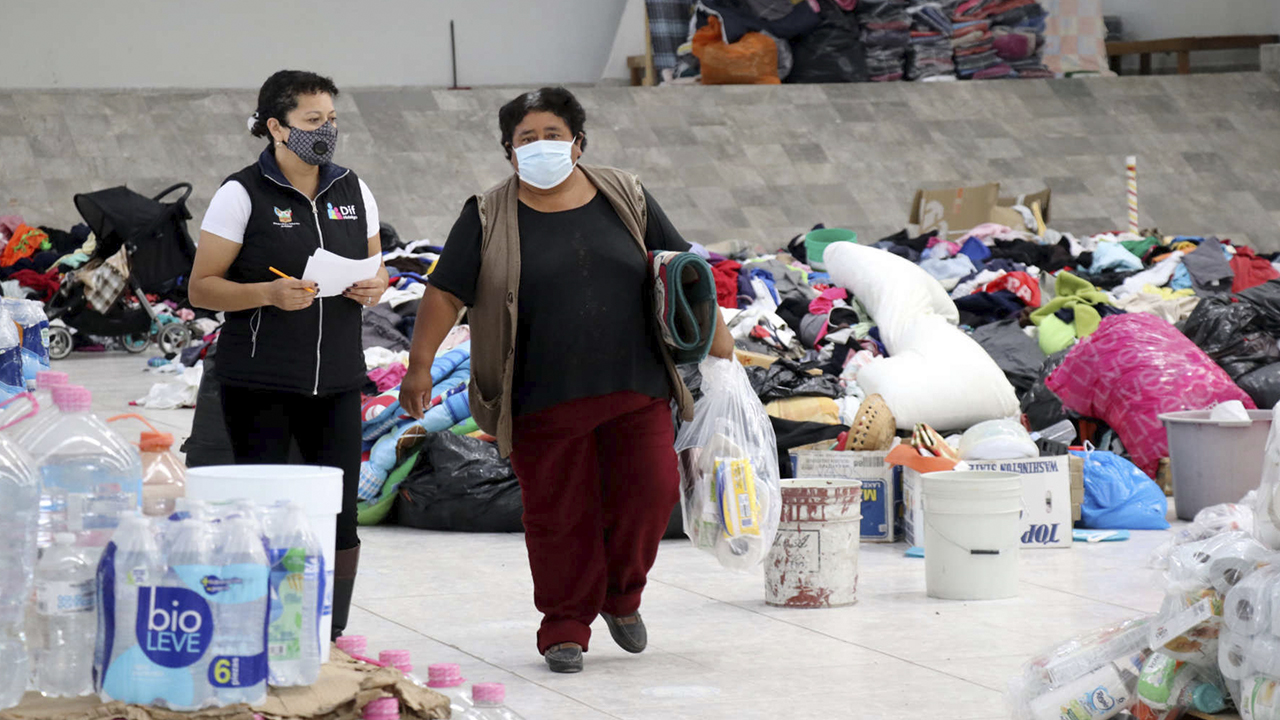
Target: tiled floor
(717, 651)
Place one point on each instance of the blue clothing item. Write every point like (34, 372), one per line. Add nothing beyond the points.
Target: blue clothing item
(976, 251)
(1113, 256)
(950, 269)
(745, 288)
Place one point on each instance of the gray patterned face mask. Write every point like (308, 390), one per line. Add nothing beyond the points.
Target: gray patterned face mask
(314, 147)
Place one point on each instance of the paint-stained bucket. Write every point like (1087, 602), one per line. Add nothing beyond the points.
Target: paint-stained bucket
(814, 559)
(972, 530)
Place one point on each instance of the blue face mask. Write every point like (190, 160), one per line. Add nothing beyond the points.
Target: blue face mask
(545, 164)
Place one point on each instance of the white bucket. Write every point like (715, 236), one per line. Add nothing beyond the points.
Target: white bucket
(317, 489)
(972, 529)
(814, 559)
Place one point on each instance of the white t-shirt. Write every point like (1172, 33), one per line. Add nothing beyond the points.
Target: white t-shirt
(228, 212)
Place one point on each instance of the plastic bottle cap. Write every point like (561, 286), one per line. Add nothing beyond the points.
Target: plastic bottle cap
(72, 398)
(491, 693)
(398, 659)
(353, 644)
(153, 441)
(1208, 699)
(64, 538)
(49, 379)
(384, 708)
(444, 675)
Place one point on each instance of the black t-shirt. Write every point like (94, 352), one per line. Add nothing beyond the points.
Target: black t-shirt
(584, 325)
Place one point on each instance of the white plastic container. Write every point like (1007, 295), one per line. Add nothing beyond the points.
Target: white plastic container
(1213, 462)
(317, 489)
(164, 476)
(67, 605)
(490, 703)
(814, 559)
(19, 509)
(972, 534)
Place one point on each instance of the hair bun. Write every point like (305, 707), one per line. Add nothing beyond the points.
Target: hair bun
(253, 120)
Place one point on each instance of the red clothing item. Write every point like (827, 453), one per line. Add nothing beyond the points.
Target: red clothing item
(1250, 270)
(726, 274)
(46, 284)
(1021, 284)
(599, 480)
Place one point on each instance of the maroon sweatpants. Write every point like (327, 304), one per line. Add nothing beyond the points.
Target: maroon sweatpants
(599, 480)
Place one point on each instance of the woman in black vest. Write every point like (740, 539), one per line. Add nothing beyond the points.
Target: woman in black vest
(290, 363)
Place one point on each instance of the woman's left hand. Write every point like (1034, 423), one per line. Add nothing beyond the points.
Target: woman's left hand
(367, 292)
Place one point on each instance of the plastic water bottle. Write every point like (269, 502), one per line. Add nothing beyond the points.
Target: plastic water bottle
(164, 476)
(490, 703)
(239, 595)
(19, 507)
(293, 633)
(131, 569)
(1100, 695)
(446, 679)
(192, 559)
(89, 474)
(384, 708)
(65, 601)
(29, 315)
(12, 381)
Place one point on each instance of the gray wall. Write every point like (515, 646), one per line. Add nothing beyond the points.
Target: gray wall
(237, 43)
(758, 164)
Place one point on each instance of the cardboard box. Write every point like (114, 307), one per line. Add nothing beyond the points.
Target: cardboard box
(881, 486)
(1046, 499)
(1077, 486)
(954, 211)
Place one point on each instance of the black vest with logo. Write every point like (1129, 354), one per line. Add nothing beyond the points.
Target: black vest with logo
(316, 351)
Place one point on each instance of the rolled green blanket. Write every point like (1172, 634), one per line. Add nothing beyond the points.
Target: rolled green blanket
(684, 294)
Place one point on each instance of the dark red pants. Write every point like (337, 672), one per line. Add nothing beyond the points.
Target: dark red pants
(599, 480)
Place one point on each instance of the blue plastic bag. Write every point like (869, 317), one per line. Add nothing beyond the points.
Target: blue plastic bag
(1119, 496)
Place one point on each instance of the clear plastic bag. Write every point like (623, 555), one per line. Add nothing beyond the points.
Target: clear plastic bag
(1209, 522)
(1266, 506)
(1107, 661)
(729, 479)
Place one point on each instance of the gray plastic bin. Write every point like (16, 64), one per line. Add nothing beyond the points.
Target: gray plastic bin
(1214, 462)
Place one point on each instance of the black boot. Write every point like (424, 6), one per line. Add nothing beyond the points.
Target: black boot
(344, 582)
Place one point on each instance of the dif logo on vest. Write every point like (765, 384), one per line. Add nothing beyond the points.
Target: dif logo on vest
(174, 625)
(342, 212)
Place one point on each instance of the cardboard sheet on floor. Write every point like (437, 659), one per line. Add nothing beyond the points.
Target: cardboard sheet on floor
(344, 688)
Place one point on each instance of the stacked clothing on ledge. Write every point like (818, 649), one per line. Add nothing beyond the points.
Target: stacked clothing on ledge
(886, 35)
(930, 57)
(974, 43)
(1018, 27)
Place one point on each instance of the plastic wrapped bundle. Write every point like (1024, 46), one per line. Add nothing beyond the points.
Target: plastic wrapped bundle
(886, 34)
(1066, 678)
(731, 489)
(1133, 368)
(930, 56)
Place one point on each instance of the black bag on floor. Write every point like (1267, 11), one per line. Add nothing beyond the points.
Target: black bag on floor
(1232, 334)
(1263, 385)
(460, 484)
(1042, 407)
(833, 53)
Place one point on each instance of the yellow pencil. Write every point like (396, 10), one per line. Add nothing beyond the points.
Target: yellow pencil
(288, 277)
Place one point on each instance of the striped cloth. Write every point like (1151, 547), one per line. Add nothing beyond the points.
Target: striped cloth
(668, 29)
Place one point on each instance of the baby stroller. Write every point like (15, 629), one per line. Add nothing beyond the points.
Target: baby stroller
(143, 248)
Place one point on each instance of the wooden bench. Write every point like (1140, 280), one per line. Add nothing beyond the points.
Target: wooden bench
(1183, 47)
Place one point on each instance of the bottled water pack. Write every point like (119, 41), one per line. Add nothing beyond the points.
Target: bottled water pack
(203, 608)
(29, 317)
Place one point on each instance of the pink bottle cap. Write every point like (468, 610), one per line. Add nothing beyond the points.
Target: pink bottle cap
(445, 675)
(49, 379)
(353, 644)
(398, 659)
(489, 693)
(72, 398)
(384, 708)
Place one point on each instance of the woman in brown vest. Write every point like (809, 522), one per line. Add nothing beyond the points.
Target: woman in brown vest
(567, 369)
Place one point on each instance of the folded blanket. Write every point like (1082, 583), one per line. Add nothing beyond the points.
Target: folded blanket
(684, 294)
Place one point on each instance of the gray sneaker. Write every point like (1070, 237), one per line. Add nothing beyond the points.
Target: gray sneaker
(629, 632)
(564, 658)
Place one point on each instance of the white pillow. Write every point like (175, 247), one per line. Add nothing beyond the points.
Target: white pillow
(940, 376)
(893, 289)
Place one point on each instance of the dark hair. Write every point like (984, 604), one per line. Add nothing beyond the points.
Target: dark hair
(279, 96)
(555, 100)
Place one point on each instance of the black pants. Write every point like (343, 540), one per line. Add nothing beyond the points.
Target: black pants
(263, 424)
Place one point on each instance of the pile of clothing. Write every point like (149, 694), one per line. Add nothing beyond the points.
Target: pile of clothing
(1018, 27)
(930, 57)
(34, 259)
(886, 35)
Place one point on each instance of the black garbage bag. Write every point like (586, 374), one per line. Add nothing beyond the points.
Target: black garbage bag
(1232, 334)
(1017, 354)
(794, 434)
(833, 53)
(1042, 407)
(389, 237)
(787, 379)
(1263, 385)
(460, 484)
(1266, 298)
